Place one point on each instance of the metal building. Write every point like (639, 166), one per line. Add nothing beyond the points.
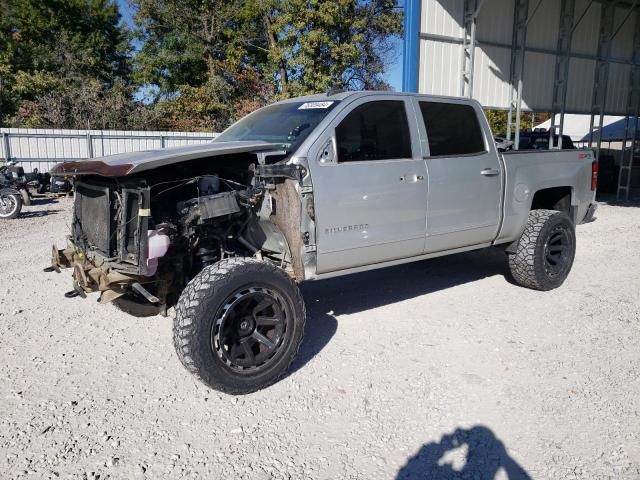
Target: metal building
(556, 56)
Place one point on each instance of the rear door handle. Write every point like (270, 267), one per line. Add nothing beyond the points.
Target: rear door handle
(490, 172)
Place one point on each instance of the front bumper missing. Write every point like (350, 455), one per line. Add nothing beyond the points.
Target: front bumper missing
(90, 278)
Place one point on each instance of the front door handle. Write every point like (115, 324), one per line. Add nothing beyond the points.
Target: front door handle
(490, 172)
(412, 178)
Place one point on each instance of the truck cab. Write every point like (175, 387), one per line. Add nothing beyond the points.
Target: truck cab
(403, 176)
(418, 193)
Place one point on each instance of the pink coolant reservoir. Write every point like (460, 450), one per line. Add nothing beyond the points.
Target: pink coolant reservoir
(157, 245)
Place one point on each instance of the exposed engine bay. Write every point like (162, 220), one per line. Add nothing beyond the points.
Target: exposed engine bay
(146, 235)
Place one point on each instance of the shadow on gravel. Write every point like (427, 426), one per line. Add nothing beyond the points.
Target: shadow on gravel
(363, 291)
(611, 199)
(38, 214)
(319, 329)
(473, 453)
(44, 200)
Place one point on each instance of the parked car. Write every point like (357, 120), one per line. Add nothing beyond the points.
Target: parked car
(306, 189)
(539, 140)
(503, 145)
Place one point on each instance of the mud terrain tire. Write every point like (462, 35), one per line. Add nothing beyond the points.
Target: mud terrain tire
(545, 251)
(239, 324)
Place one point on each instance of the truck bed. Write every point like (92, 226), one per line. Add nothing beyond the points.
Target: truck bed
(532, 171)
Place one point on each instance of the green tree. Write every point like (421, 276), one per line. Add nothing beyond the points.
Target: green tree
(204, 63)
(51, 50)
(204, 57)
(315, 44)
(229, 57)
(68, 37)
(498, 120)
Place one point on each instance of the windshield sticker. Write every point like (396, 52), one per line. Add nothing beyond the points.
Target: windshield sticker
(308, 105)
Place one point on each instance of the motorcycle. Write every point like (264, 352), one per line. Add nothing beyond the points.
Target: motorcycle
(15, 188)
(13, 192)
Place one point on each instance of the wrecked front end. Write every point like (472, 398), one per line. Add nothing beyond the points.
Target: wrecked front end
(143, 236)
(109, 246)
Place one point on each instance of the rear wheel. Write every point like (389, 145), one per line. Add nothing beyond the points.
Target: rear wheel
(239, 324)
(545, 251)
(10, 205)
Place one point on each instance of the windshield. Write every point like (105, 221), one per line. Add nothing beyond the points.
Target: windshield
(286, 123)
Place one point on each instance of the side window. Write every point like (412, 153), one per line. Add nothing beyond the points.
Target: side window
(374, 131)
(452, 128)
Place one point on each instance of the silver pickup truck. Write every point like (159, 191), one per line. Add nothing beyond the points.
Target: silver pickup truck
(306, 189)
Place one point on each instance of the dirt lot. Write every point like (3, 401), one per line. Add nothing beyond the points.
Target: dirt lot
(436, 369)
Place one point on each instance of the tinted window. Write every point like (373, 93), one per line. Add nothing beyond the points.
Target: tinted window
(452, 129)
(374, 131)
(540, 141)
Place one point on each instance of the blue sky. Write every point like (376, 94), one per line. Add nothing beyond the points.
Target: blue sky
(393, 74)
(394, 71)
(126, 11)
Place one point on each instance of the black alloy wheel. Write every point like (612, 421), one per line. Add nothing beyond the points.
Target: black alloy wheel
(239, 324)
(556, 251)
(249, 328)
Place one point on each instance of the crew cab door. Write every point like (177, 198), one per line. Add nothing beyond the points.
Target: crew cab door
(464, 175)
(369, 185)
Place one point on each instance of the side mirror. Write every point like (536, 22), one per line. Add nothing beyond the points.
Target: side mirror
(328, 152)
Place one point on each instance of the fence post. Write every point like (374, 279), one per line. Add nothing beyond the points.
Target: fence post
(89, 145)
(162, 141)
(5, 147)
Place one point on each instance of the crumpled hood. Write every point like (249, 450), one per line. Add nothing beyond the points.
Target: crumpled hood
(135, 162)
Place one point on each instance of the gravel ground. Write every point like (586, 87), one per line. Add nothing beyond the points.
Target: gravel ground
(437, 369)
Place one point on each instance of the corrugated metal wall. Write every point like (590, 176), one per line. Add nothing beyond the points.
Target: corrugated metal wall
(441, 54)
(43, 148)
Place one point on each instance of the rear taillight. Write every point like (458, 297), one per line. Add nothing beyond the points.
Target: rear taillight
(594, 175)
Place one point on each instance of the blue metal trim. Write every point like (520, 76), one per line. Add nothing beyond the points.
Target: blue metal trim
(410, 58)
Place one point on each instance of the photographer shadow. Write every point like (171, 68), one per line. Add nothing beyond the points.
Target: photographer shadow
(485, 456)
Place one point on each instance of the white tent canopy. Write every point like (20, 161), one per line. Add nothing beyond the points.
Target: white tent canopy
(577, 127)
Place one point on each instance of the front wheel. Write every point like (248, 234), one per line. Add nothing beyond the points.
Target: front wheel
(239, 324)
(545, 251)
(10, 205)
